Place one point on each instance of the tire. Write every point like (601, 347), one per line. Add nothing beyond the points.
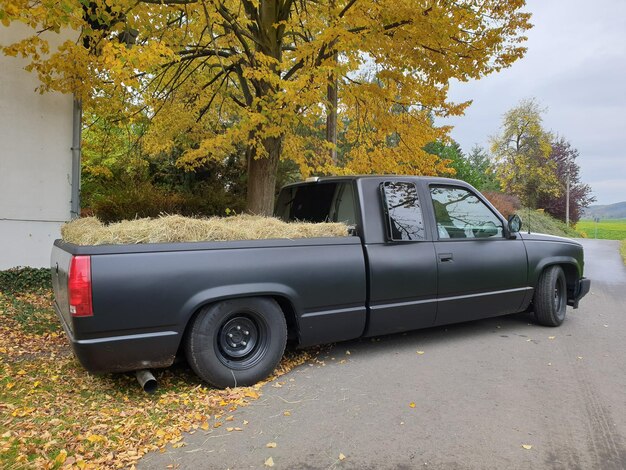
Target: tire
(551, 297)
(236, 342)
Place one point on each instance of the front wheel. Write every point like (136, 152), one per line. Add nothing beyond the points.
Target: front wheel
(237, 342)
(551, 297)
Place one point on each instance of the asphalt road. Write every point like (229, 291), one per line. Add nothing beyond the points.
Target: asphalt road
(481, 391)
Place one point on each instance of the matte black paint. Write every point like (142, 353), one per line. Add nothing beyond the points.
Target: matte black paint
(338, 288)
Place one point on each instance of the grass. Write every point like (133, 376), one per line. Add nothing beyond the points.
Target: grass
(55, 414)
(540, 222)
(609, 229)
(622, 250)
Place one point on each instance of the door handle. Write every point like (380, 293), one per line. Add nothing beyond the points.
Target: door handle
(443, 257)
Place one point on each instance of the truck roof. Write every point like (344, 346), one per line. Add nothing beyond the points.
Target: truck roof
(431, 179)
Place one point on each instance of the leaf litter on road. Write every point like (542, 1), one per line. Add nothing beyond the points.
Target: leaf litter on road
(57, 414)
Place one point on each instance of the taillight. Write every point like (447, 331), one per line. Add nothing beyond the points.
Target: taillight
(79, 287)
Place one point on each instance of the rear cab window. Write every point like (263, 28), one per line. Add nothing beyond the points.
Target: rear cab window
(331, 201)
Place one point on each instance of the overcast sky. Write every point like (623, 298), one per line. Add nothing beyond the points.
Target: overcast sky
(576, 68)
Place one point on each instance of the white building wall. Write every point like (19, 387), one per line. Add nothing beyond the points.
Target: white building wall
(35, 162)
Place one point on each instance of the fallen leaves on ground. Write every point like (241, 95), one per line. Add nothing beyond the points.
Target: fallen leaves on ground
(527, 446)
(55, 414)
(269, 462)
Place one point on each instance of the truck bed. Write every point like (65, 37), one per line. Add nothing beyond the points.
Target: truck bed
(145, 294)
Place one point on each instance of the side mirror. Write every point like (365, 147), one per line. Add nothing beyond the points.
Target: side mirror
(515, 223)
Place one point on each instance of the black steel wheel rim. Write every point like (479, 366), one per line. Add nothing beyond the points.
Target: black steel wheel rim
(242, 340)
(559, 297)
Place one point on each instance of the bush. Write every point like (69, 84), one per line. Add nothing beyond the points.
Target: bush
(25, 280)
(506, 204)
(124, 202)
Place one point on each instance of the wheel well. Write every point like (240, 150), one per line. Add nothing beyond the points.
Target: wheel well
(290, 317)
(571, 276)
(284, 304)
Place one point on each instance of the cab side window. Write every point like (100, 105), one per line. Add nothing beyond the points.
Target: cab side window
(461, 214)
(403, 212)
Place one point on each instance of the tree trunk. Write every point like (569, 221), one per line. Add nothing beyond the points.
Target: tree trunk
(331, 113)
(262, 171)
(262, 178)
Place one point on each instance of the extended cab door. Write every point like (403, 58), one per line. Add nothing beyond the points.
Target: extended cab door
(400, 257)
(481, 273)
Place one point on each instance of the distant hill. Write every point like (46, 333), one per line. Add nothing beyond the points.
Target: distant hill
(611, 211)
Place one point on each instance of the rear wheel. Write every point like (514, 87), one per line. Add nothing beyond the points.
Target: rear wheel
(550, 300)
(237, 342)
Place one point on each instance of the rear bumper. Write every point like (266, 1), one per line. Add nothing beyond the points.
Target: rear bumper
(582, 289)
(124, 353)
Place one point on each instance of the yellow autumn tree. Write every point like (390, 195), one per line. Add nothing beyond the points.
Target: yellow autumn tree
(213, 76)
(522, 153)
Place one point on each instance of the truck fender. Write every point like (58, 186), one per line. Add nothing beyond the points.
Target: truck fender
(560, 260)
(257, 289)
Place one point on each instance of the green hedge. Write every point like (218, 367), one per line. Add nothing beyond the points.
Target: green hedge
(25, 280)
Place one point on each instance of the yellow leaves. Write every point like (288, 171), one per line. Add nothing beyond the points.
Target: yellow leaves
(522, 152)
(412, 405)
(269, 462)
(23, 411)
(286, 413)
(420, 352)
(95, 421)
(60, 458)
(270, 445)
(230, 101)
(251, 394)
(95, 438)
(527, 446)
(342, 457)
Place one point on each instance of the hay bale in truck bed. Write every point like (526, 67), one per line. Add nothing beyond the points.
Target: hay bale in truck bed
(176, 228)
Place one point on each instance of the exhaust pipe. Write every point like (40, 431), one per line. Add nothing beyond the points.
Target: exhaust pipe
(146, 380)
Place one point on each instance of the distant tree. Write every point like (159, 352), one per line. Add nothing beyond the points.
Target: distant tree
(476, 168)
(450, 154)
(522, 152)
(564, 156)
(483, 170)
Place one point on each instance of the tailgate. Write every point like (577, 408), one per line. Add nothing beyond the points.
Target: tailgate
(60, 264)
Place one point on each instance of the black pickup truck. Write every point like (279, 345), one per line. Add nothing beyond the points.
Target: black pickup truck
(422, 252)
